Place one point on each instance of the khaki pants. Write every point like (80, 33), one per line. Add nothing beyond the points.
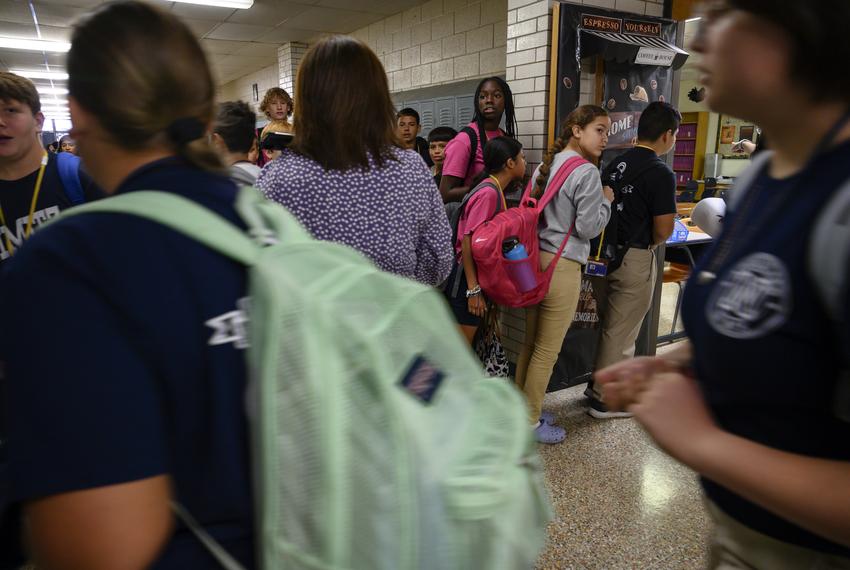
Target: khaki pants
(546, 326)
(735, 546)
(622, 304)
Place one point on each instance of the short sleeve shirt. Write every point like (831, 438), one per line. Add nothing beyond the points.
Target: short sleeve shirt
(457, 162)
(481, 207)
(652, 193)
(127, 340)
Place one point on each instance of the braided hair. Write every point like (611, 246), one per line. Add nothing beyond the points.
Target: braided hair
(510, 114)
(580, 117)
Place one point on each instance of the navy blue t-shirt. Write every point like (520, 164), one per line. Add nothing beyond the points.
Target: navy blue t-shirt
(123, 343)
(766, 352)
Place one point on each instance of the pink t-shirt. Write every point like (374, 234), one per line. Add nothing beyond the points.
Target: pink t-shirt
(480, 208)
(457, 156)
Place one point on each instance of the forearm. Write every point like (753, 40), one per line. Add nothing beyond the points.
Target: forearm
(468, 263)
(813, 493)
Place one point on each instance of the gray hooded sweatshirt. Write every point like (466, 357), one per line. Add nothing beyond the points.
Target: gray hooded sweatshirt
(580, 199)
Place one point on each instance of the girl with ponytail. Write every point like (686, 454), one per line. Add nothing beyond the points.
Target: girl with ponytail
(156, 413)
(582, 207)
(504, 163)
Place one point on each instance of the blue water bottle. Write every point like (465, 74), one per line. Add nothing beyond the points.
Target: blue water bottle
(520, 271)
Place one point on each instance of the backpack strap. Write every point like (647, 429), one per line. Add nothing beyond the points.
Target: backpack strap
(473, 145)
(455, 286)
(828, 260)
(745, 181)
(268, 223)
(69, 173)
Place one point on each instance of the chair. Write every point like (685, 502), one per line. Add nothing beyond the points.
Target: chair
(677, 273)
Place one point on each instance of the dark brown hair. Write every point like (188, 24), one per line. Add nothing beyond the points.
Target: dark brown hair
(580, 117)
(271, 96)
(817, 31)
(16, 88)
(142, 73)
(345, 113)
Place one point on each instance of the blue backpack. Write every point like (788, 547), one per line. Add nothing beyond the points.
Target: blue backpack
(69, 173)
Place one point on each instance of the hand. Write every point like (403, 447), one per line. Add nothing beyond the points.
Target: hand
(477, 305)
(608, 193)
(673, 412)
(622, 383)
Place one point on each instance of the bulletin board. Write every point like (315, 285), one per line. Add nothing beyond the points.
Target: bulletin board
(731, 130)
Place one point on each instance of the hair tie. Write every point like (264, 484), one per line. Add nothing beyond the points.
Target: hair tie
(185, 130)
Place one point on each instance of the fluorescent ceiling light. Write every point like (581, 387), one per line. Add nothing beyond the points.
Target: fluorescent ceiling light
(238, 4)
(34, 45)
(52, 90)
(694, 19)
(36, 74)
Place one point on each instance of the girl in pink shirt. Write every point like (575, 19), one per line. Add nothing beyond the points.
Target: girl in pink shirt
(504, 163)
(463, 163)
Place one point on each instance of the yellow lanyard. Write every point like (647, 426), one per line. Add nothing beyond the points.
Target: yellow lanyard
(601, 241)
(501, 192)
(35, 194)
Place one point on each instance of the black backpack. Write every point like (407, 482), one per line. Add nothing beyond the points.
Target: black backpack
(614, 244)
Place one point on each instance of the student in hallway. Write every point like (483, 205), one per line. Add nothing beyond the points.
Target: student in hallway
(438, 138)
(32, 189)
(581, 207)
(123, 340)
(233, 138)
(758, 401)
(504, 163)
(464, 154)
(645, 209)
(408, 129)
(345, 177)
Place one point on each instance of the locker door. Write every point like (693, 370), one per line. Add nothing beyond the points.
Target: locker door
(465, 110)
(427, 116)
(445, 111)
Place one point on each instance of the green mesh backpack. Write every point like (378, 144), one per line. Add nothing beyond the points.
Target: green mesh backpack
(377, 442)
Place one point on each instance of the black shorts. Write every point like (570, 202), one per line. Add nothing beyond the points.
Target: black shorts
(457, 300)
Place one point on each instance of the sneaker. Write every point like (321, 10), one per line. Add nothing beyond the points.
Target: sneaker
(588, 392)
(546, 433)
(548, 418)
(601, 412)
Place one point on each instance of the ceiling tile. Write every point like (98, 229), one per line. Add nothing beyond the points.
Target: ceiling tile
(238, 32)
(218, 47)
(258, 49)
(284, 33)
(17, 12)
(269, 12)
(197, 12)
(327, 20)
(246, 61)
(200, 27)
(374, 6)
(57, 15)
(85, 4)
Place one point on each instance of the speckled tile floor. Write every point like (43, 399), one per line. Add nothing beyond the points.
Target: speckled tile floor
(620, 503)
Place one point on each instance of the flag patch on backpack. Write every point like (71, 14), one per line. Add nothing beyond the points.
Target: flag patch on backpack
(422, 380)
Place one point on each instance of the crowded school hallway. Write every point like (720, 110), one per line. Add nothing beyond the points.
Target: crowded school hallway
(424, 285)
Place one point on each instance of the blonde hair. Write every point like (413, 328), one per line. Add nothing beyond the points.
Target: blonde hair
(580, 117)
(271, 96)
(144, 97)
(275, 127)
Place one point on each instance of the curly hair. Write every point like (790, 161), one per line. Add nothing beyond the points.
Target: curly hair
(272, 95)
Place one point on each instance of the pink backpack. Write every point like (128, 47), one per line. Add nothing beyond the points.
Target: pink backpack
(499, 276)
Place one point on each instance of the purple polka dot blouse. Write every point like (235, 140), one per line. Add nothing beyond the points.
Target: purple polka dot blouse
(393, 214)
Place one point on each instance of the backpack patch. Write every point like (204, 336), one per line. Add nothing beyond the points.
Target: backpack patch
(422, 380)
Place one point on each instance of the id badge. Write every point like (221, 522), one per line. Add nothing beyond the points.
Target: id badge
(596, 268)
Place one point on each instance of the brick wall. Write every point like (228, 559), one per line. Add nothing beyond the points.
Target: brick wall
(441, 41)
(289, 57)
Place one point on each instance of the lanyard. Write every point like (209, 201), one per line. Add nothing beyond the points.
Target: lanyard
(735, 235)
(501, 192)
(35, 194)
